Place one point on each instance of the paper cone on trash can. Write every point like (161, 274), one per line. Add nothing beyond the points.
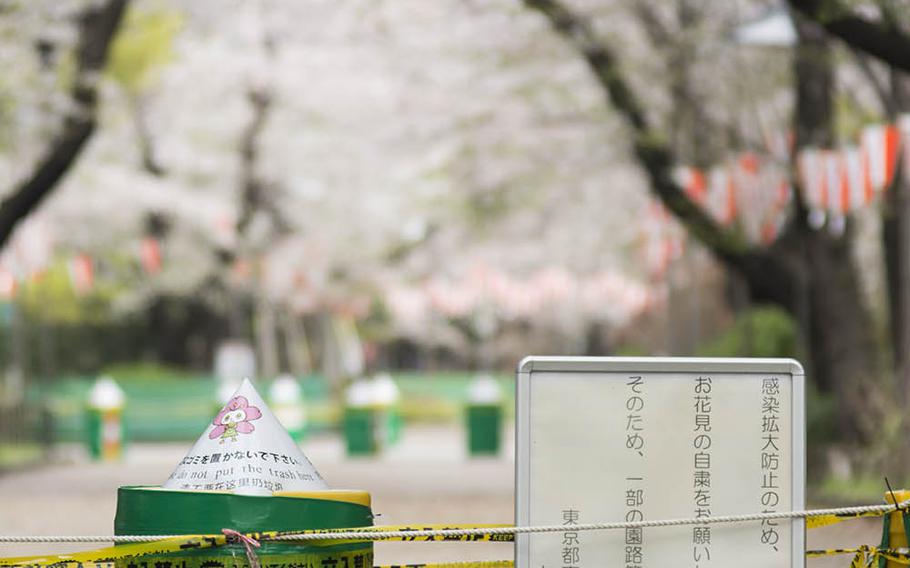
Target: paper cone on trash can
(246, 474)
(245, 450)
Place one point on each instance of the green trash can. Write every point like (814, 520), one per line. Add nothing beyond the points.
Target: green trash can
(484, 417)
(386, 396)
(360, 431)
(156, 511)
(394, 424)
(104, 430)
(362, 423)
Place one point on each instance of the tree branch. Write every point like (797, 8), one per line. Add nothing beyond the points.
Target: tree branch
(879, 40)
(257, 193)
(253, 188)
(885, 97)
(658, 32)
(762, 269)
(97, 26)
(144, 137)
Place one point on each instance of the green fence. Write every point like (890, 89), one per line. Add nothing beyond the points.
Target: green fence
(170, 408)
(442, 396)
(26, 434)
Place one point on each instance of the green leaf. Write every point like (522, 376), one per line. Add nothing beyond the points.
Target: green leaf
(143, 47)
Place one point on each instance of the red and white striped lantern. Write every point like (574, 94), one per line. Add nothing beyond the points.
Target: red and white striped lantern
(150, 255)
(82, 273)
(880, 145)
(8, 284)
(811, 170)
(722, 199)
(903, 129)
(834, 180)
(693, 183)
(853, 193)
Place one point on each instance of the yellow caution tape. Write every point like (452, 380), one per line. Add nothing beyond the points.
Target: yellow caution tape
(104, 556)
(232, 559)
(107, 557)
(482, 537)
(477, 564)
(825, 520)
(73, 564)
(215, 562)
(864, 555)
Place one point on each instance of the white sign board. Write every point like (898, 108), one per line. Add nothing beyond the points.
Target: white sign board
(630, 439)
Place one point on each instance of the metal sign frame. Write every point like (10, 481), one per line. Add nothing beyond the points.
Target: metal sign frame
(531, 365)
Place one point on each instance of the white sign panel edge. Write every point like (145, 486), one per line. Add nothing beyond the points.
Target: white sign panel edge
(530, 365)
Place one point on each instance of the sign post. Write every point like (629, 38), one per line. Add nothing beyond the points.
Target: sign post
(631, 439)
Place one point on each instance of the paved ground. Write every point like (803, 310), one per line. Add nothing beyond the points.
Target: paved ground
(426, 479)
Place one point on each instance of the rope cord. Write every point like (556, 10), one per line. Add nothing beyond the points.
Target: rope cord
(367, 533)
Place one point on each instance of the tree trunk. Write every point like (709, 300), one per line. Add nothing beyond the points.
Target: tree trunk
(844, 357)
(813, 75)
(896, 247)
(895, 234)
(144, 137)
(297, 344)
(896, 239)
(879, 39)
(266, 337)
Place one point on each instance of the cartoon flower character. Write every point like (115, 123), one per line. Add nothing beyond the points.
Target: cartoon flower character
(234, 419)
